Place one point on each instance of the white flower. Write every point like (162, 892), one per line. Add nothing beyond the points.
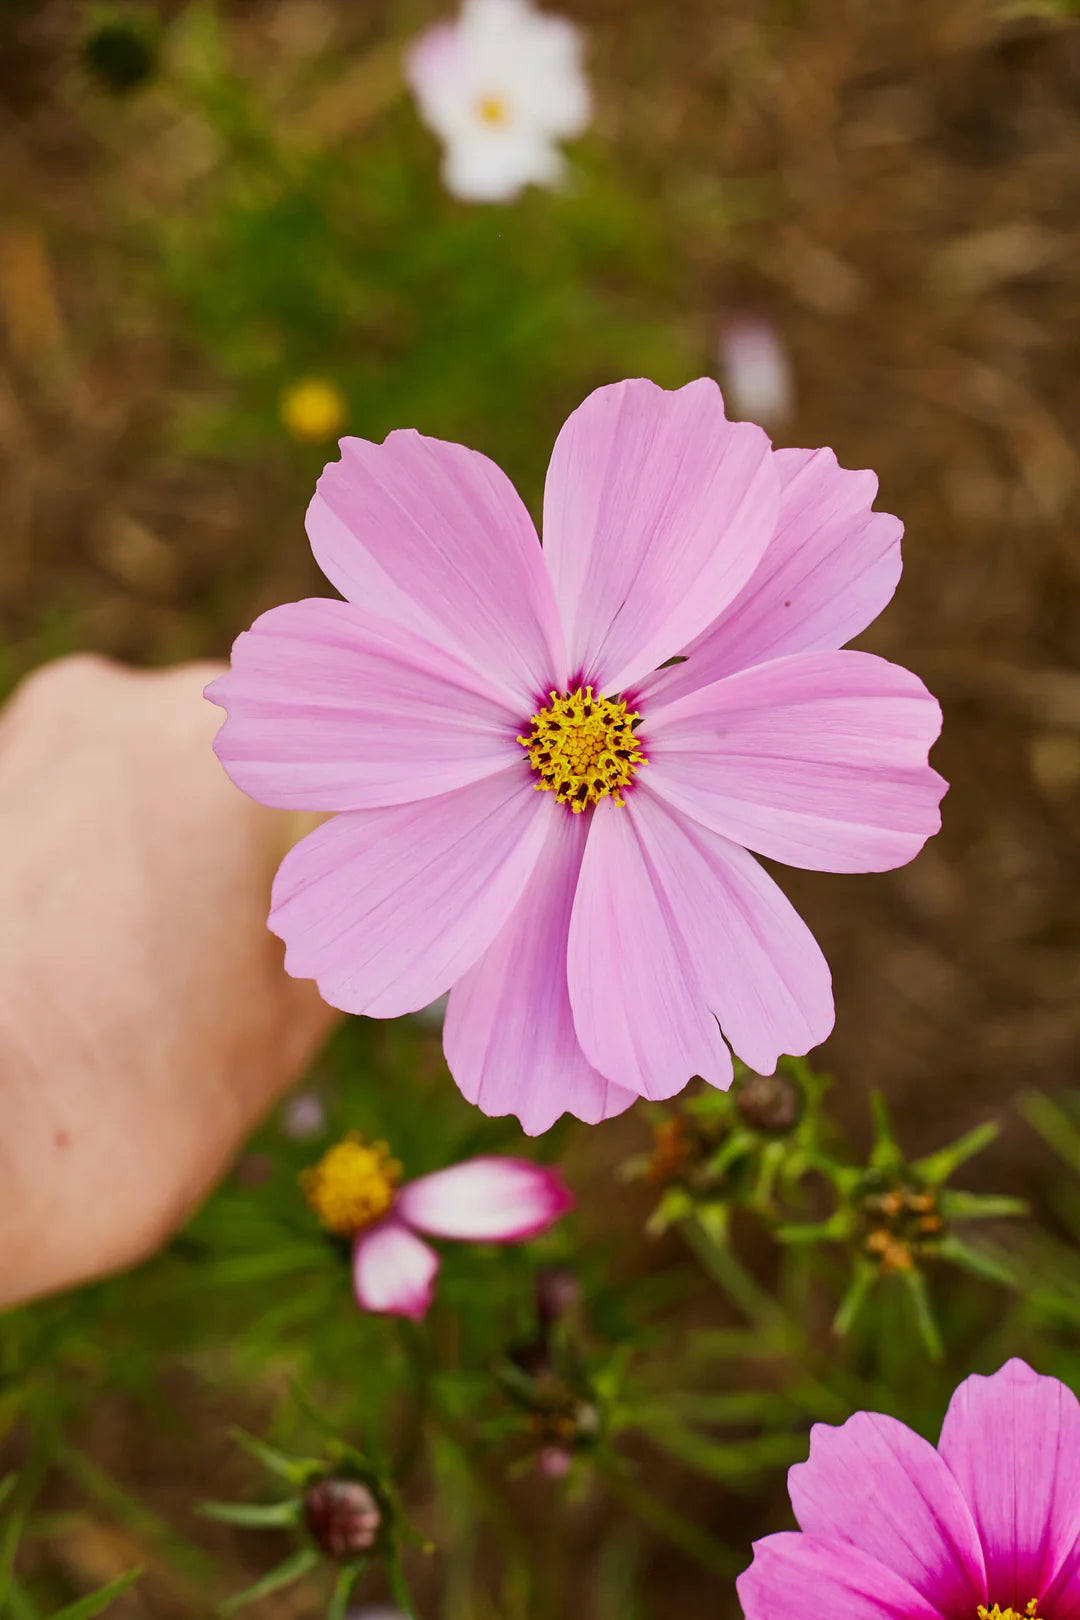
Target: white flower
(500, 87)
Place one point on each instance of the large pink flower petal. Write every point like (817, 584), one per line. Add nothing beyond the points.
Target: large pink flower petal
(486, 1200)
(386, 909)
(675, 929)
(657, 509)
(1013, 1444)
(818, 760)
(830, 568)
(509, 1036)
(875, 1485)
(639, 1005)
(332, 708)
(393, 1271)
(435, 536)
(793, 1574)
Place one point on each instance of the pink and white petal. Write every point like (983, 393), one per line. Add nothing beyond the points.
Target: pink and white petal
(436, 536)
(509, 1036)
(793, 1572)
(819, 760)
(1012, 1442)
(393, 1271)
(639, 1003)
(875, 1485)
(486, 1200)
(657, 510)
(332, 708)
(761, 971)
(386, 909)
(829, 570)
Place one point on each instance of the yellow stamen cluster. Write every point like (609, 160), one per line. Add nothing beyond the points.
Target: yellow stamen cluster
(583, 747)
(1009, 1614)
(352, 1185)
(493, 111)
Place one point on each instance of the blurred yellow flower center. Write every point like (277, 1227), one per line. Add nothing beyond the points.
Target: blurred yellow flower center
(1009, 1614)
(314, 409)
(583, 747)
(493, 111)
(352, 1184)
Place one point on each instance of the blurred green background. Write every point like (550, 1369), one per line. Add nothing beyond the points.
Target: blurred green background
(204, 206)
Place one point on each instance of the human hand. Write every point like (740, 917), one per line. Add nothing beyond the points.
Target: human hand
(146, 1020)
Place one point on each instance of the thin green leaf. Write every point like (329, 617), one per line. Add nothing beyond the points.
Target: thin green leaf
(956, 1205)
(1053, 1125)
(9, 1542)
(253, 1515)
(937, 1167)
(7, 1485)
(343, 1587)
(862, 1281)
(915, 1283)
(297, 1470)
(96, 1602)
(291, 1570)
(979, 1262)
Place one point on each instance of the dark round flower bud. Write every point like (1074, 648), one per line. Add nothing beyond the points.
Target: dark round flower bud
(120, 55)
(770, 1103)
(342, 1516)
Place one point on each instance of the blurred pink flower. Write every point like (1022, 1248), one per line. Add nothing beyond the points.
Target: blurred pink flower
(987, 1527)
(354, 1189)
(594, 957)
(757, 371)
(500, 87)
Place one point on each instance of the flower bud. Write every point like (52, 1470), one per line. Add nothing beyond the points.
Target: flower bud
(770, 1102)
(342, 1516)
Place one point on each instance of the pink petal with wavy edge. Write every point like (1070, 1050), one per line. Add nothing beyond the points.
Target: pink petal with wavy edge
(792, 1574)
(818, 760)
(761, 969)
(486, 1200)
(386, 909)
(657, 510)
(636, 993)
(509, 1037)
(332, 708)
(828, 571)
(1013, 1444)
(875, 1485)
(393, 1271)
(436, 537)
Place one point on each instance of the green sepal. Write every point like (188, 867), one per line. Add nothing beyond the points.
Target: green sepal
(864, 1275)
(937, 1167)
(254, 1515)
(291, 1570)
(915, 1283)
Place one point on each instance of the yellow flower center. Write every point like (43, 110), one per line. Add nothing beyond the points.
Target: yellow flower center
(583, 747)
(493, 111)
(1009, 1614)
(352, 1184)
(314, 409)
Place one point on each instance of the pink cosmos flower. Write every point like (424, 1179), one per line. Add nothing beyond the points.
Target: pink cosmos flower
(597, 935)
(987, 1527)
(354, 1189)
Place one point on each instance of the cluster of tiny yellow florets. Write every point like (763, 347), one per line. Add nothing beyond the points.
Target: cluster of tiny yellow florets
(583, 747)
(997, 1613)
(352, 1185)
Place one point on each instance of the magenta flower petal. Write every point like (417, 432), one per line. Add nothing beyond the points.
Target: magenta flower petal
(830, 568)
(393, 1271)
(675, 928)
(486, 1200)
(435, 536)
(386, 909)
(818, 760)
(656, 512)
(792, 1574)
(876, 1485)
(636, 989)
(509, 1035)
(1013, 1444)
(332, 708)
